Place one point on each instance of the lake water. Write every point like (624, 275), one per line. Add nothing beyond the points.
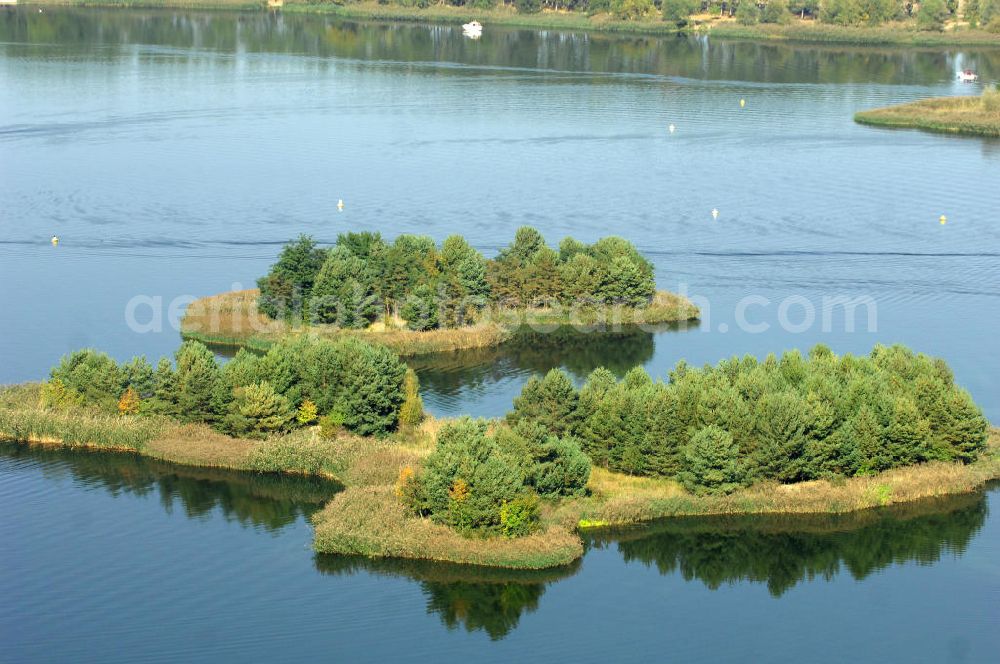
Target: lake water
(174, 152)
(114, 558)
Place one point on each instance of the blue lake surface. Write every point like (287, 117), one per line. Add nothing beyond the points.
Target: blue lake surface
(173, 153)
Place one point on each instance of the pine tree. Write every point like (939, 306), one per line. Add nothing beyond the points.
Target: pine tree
(287, 287)
(140, 375)
(869, 439)
(258, 410)
(908, 437)
(165, 395)
(420, 310)
(201, 392)
(550, 401)
(966, 430)
(711, 463)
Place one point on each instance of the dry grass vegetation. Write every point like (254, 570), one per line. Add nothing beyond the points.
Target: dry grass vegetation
(371, 521)
(368, 519)
(978, 116)
(903, 33)
(232, 319)
(621, 499)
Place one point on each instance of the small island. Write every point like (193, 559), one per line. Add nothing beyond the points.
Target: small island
(816, 434)
(973, 116)
(416, 297)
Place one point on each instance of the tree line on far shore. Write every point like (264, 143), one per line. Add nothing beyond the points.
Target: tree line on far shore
(363, 278)
(928, 14)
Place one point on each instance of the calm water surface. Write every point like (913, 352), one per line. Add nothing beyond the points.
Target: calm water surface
(114, 558)
(173, 153)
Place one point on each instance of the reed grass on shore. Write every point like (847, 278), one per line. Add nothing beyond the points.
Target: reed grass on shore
(368, 519)
(232, 319)
(371, 521)
(974, 116)
(623, 500)
(814, 32)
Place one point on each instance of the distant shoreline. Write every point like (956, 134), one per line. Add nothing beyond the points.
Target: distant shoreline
(803, 32)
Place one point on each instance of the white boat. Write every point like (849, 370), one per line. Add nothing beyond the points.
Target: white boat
(473, 29)
(968, 76)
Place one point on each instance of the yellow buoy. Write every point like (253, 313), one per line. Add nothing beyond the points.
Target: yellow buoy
(340, 204)
(743, 102)
(55, 241)
(943, 220)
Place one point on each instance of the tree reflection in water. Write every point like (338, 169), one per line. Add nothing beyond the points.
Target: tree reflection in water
(266, 501)
(477, 598)
(779, 551)
(517, 52)
(782, 551)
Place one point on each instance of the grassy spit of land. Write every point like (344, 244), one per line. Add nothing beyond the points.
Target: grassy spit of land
(232, 319)
(974, 116)
(371, 521)
(346, 459)
(367, 518)
(804, 30)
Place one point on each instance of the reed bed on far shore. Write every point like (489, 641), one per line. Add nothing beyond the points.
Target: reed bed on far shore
(974, 116)
(232, 319)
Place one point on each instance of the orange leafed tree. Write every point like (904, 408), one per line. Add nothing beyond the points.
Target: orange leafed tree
(128, 404)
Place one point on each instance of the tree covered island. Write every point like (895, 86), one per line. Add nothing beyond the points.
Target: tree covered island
(418, 297)
(791, 434)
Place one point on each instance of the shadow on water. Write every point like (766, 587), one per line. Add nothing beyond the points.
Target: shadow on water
(260, 500)
(491, 600)
(447, 377)
(783, 551)
(779, 551)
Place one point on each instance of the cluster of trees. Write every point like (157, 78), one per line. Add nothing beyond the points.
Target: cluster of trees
(983, 12)
(363, 277)
(930, 14)
(346, 383)
(485, 481)
(789, 419)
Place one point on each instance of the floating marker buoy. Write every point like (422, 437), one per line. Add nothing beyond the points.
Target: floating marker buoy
(340, 204)
(55, 240)
(743, 102)
(943, 220)
(715, 213)
(671, 128)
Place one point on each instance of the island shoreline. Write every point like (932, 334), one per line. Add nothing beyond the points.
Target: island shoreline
(232, 320)
(965, 116)
(366, 518)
